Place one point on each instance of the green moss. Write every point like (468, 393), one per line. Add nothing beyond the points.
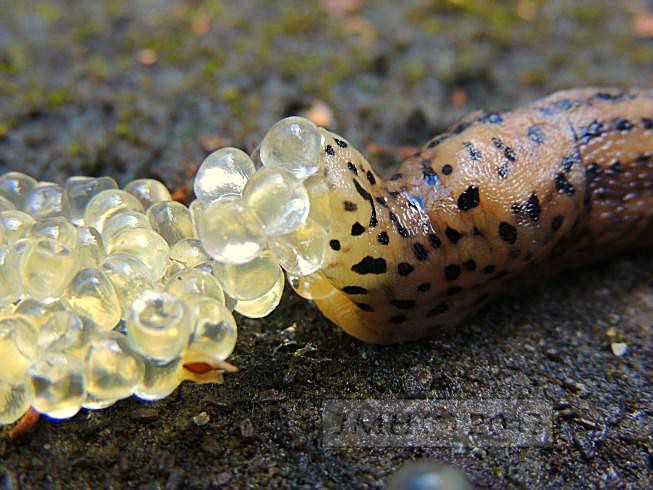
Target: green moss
(58, 97)
(415, 70)
(98, 67)
(48, 11)
(642, 55)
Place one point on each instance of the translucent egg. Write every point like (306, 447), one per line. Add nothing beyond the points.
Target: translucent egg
(223, 173)
(172, 220)
(91, 294)
(38, 312)
(318, 194)
(15, 187)
(9, 281)
(18, 337)
(16, 225)
(192, 283)
(46, 200)
(148, 191)
(196, 209)
(95, 403)
(313, 286)
(90, 247)
(129, 277)
(15, 399)
(46, 267)
(263, 306)
(79, 192)
(188, 253)
(302, 252)
(6, 204)
(113, 370)
(58, 383)
(58, 228)
(230, 232)
(215, 332)
(250, 280)
(66, 332)
(158, 325)
(124, 220)
(293, 144)
(146, 245)
(159, 380)
(107, 203)
(278, 199)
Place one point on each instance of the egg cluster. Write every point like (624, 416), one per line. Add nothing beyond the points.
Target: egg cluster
(108, 292)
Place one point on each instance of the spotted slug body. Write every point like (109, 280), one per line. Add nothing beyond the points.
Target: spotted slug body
(561, 181)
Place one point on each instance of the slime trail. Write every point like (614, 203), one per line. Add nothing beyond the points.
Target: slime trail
(557, 183)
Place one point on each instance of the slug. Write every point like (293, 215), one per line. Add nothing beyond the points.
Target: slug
(560, 182)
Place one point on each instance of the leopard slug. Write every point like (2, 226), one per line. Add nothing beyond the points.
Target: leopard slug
(562, 181)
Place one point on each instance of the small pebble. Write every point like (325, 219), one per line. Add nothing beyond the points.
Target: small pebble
(201, 419)
(619, 348)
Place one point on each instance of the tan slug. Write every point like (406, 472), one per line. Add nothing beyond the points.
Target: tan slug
(564, 180)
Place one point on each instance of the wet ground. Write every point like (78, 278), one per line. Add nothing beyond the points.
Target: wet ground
(102, 89)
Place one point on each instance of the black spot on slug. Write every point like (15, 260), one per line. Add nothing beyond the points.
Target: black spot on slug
(425, 286)
(340, 143)
(593, 130)
(420, 252)
(563, 185)
(368, 197)
(568, 161)
(370, 177)
(557, 222)
(381, 201)
(647, 122)
(507, 232)
(404, 268)
(364, 306)
(535, 134)
(452, 234)
(438, 310)
(398, 319)
(352, 168)
(403, 304)
(401, 229)
(491, 118)
(469, 199)
(435, 241)
(354, 290)
(357, 229)
(620, 124)
(451, 272)
(335, 245)
(350, 206)
(370, 265)
(329, 150)
(503, 171)
(383, 238)
(532, 208)
(471, 149)
(429, 174)
(469, 265)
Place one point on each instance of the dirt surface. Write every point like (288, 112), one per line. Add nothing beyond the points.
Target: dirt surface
(100, 88)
